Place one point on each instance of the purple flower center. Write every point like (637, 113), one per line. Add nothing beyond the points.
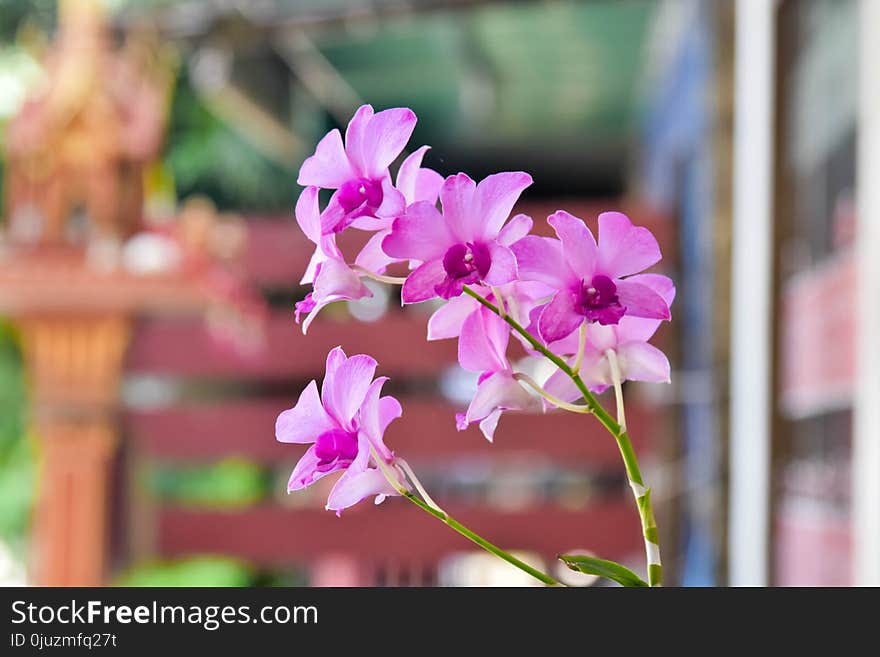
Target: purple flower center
(463, 264)
(335, 449)
(598, 301)
(360, 192)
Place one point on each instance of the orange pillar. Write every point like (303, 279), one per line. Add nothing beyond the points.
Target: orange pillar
(74, 365)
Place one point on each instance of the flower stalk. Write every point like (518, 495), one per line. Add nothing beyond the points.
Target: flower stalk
(616, 429)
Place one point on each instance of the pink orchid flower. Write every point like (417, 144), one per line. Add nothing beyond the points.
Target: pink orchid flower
(468, 244)
(594, 282)
(416, 183)
(332, 279)
(482, 347)
(345, 426)
(636, 359)
(358, 170)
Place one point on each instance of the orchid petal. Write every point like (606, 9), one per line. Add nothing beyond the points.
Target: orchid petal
(503, 269)
(393, 202)
(640, 361)
(420, 234)
(306, 420)
(446, 322)
(329, 167)
(421, 283)
(515, 229)
(384, 138)
(355, 136)
(353, 487)
(497, 194)
(641, 301)
(483, 343)
(624, 248)
(348, 387)
(559, 317)
(305, 472)
(308, 214)
(372, 257)
(457, 195)
(541, 259)
(578, 243)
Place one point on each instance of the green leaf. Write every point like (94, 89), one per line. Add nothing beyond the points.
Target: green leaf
(603, 568)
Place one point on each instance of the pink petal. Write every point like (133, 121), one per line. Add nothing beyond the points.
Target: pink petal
(623, 248)
(353, 487)
(559, 317)
(489, 424)
(306, 421)
(602, 337)
(420, 234)
(636, 329)
(393, 203)
(420, 284)
(335, 358)
(376, 414)
(578, 243)
(446, 322)
(662, 285)
(348, 387)
(389, 410)
(515, 229)
(640, 361)
(500, 391)
(482, 346)
(503, 269)
(641, 301)
(329, 167)
(308, 214)
(355, 136)
(457, 195)
(372, 257)
(305, 472)
(560, 385)
(596, 370)
(541, 259)
(415, 183)
(385, 137)
(497, 194)
(428, 184)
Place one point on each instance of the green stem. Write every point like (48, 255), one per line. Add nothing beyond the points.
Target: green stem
(631, 464)
(479, 540)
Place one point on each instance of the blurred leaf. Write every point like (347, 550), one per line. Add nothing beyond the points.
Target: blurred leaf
(603, 568)
(231, 483)
(195, 571)
(16, 457)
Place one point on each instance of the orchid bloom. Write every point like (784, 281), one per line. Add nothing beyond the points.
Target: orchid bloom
(519, 298)
(416, 183)
(358, 169)
(482, 347)
(468, 244)
(332, 279)
(594, 282)
(345, 426)
(628, 339)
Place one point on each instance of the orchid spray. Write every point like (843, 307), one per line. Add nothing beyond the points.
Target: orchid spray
(585, 305)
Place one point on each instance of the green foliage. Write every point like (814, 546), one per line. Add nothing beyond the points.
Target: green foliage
(231, 483)
(193, 571)
(16, 458)
(209, 158)
(14, 14)
(603, 568)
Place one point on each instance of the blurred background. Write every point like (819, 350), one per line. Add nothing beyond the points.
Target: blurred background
(149, 262)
